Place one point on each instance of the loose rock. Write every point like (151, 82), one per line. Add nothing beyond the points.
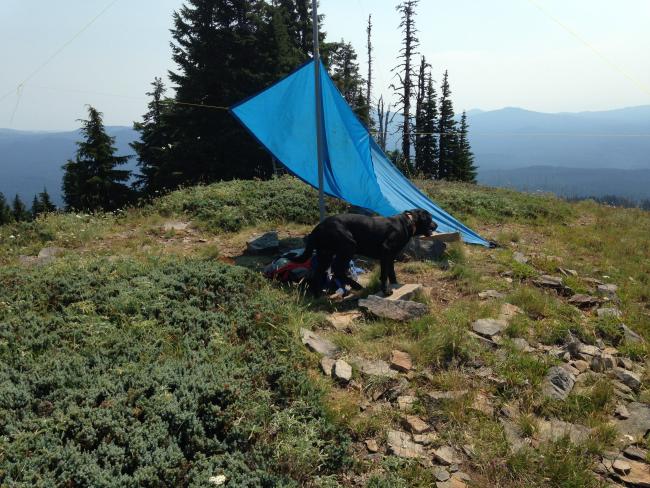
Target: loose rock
(608, 290)
(318, 344)
(556, 429)
(327, 365)
(521, 345)
(446, 455)
(609, 312)
(416, 425)
(603, 362)
(267, 243)
(372, 446)
(637, 424)
(628, 378)
(441, 474)
(631, 336)
(583, 301)
(622, 412)
(580, 365)
(375, 367)
(342, 321)
(425, 439)
(484, 295)
(519, 257)
(558, 383)
(489, 327)
(342, 371)
(639, 474)
(549, 281)
(401, 361)
(634, 452)
(508, 311)
(401, 310)
(400, 444)
(621, 467)
(405, 402)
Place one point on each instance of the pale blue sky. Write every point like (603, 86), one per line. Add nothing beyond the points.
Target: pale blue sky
(499, 53)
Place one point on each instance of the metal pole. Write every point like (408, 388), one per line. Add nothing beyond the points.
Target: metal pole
(319, 111)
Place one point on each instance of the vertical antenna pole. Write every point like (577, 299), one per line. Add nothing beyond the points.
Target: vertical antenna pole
(319, 111)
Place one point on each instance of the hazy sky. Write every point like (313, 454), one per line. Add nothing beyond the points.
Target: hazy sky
(499, 53)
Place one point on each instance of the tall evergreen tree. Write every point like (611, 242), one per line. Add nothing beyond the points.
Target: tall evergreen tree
(426, 147)
(45, 202)
(36, 209)
(6, 216)
(92, 180)
(153, 148)
(447, 132)
(405, 72)
(345, 73)
(464, 168)
(19, 210)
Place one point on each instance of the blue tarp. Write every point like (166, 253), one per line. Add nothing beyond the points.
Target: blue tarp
(283, 119)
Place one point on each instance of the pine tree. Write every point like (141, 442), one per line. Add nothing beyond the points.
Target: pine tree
(345, 73)
(91, 181)
(426, 147)
(405, 73)
(45, 202)
(19, 210)
(36, 209)
(154, 148)
(447, 132)
(6, 216)
(464, 168)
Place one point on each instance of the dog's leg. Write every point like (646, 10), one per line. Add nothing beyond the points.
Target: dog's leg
(391, 272)
(383, 276)
(319, 274)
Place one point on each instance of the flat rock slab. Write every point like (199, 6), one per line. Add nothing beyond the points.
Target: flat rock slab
(633, 452)
(484, 295)
(628, 378)
(508, 311)
(401, 361)
(552, 430)
(400, 444)
(422, 249)
(558, 383)
(318, 344)
(608, 289)
(342, 321)
(630, 335)
(549, 281)
(639, 474)
(267, 243)
(375, 367)
(405, 402)
(401, 310)
(446, 455)
(489, 327)
(637, 424)
(583, 301)
(416, 425)
(610, 312)
(402, 292)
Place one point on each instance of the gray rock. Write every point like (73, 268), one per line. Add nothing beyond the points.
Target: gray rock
(558, 383)
(637, 453)
(441, 474)
(401, 310)
(611, 312)
(622, 467)
(608, 290)
(327, 365)
(416, 425)
(583, 301)
(631, 336)
(519, 257)
(489, 327)
(552, 430)
(50, 252)
(484, 295)
(426, 439)
(180, 226)
(267, 243)
(375, 367)
(624, 363)
(446, 455)
(549, 281)
(423, 249)
(588, 350)
(638, 475)
(401, 361)
(342, 371)
(513, 435)
(580, 365)
(603, 362)
(400, 444)
(405, 402)
(317, 344)
(637, 424)
(521, 345)
(628, 378)
(622, 412)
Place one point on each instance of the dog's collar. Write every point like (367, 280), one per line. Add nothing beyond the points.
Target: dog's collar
(411, 222)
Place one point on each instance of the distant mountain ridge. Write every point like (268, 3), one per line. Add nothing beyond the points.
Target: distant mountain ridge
(505, 140)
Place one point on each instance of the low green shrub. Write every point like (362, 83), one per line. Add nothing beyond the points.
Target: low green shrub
(164, 373)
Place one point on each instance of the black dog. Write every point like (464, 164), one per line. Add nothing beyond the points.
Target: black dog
(338, 238)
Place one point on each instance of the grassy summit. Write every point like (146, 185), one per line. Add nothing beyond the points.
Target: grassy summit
(143, 355)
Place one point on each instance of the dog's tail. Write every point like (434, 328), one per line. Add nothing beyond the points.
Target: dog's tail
(309, 250)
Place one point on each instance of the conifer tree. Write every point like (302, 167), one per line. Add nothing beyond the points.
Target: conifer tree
(405, 72)
(345, 73)
(46, 202)
(92, 181)
(447, 132)
(426, 147)
(464, 168)
(154, 148)
(6, 216)
(19, 210)
(36, 209)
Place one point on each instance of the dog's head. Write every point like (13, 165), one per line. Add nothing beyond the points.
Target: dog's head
(421, 221)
